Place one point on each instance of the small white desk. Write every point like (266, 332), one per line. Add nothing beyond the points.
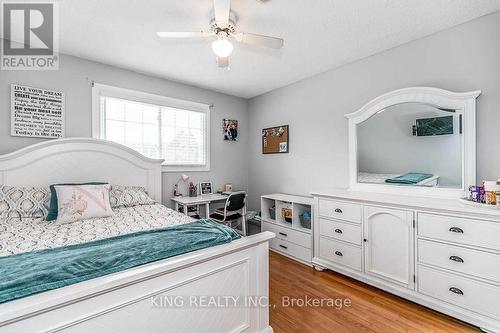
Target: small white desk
(206, 200)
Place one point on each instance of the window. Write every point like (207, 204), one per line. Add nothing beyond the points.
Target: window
(156, 126)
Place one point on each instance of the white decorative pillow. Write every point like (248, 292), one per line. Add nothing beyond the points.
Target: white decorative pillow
(129, 196)
(23, 202)
(82, 202)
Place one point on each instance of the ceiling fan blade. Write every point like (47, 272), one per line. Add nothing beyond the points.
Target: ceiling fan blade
(260, 40)
(183, 34)
(221, 9)
(223, 62)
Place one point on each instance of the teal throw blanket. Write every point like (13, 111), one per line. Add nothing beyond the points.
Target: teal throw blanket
(30, 273)
(409, 178)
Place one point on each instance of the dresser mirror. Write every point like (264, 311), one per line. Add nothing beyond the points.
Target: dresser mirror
(414, 140)
(411, 144)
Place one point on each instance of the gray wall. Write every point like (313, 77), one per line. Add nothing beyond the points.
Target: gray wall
(460, 59)
(386, 144)
(228, 160)
(463, 58)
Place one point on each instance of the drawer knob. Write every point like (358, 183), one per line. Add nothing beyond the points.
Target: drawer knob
(456, 291)
(338, 231)
(283, 234)
(456, 259)
(284, 247)
(339, 253)
(338, 210)
(456, 230)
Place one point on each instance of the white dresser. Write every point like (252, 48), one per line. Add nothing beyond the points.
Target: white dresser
(440, 253)
(293, 238)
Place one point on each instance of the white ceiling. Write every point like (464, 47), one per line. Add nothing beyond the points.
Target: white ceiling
(319, 35)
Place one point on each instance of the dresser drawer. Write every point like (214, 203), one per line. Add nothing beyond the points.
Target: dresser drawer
(340, 230)
(473, 262)
(291, 249)
(467, 293)
(294, 236)
(340, 253)
(340, 210)
(459, 230)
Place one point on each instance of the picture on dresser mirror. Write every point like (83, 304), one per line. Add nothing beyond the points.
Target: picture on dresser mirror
(413, 144)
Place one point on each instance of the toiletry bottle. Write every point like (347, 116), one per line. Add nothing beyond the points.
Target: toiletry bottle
(490, 188)
(498, 193)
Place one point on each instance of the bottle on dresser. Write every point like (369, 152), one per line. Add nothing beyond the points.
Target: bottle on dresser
(498, 193)
(491, 188)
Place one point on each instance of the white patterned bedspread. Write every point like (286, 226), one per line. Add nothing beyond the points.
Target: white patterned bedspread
(17, 236)
(375, 178)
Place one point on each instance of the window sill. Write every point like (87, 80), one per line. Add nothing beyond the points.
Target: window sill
(185, 168)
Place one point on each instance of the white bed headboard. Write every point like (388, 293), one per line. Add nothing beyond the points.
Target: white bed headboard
(80, 160)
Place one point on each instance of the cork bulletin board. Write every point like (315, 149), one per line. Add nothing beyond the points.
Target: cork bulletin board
(275, 140)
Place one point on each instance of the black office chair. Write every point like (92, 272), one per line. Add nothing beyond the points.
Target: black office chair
(234, 209)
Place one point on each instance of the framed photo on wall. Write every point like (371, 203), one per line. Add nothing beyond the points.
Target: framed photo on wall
(275, 140)
(230, 129)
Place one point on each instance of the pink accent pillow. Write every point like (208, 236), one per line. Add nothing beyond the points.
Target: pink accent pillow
(82, 202)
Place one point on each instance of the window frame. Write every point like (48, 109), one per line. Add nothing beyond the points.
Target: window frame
(98, 122)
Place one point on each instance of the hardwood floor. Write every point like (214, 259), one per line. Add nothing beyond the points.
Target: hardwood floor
(371, 310)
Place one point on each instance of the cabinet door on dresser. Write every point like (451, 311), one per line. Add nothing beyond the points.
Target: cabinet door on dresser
(388, 242)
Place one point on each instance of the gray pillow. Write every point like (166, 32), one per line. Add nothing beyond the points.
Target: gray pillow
(23, 202)
(129, 196)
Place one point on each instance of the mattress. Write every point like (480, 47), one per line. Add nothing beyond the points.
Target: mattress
(27, 235)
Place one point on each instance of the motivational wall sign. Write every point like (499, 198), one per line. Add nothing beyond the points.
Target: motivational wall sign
(36, 112)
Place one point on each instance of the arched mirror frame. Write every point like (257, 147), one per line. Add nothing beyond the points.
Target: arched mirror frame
(465, 102)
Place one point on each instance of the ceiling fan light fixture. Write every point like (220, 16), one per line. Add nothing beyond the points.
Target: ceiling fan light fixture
(222, 47)
(223, 29)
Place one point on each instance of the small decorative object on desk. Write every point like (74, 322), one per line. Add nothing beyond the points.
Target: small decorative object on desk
(228, 188)
(206, 188)
(287, 214)
(305, 219)
(193, 190)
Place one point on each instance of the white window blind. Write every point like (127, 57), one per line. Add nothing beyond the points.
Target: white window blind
(177, 135)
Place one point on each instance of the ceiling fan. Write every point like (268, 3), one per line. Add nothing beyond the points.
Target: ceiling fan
(223, 31)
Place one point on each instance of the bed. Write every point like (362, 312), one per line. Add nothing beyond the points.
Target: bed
(380, 178)
(127, 300)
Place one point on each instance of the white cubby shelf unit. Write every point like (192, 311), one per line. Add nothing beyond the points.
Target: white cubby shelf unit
(297, 204)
